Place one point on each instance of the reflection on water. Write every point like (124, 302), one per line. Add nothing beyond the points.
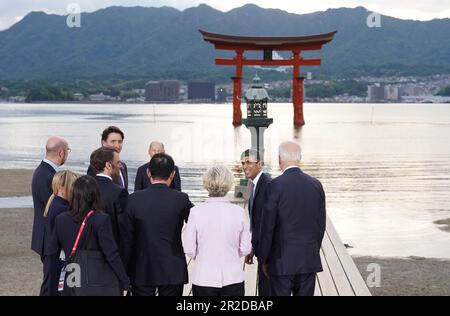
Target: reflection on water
(387, 176)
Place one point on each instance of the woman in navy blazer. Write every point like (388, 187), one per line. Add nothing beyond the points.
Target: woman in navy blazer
(58, 203)
(86, 197)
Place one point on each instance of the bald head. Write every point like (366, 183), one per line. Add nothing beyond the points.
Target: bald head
(56, 150)
(156, 148)
(290, 154)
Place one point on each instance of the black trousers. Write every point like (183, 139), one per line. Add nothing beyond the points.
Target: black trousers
(263, 283)
(52, 271)
(163, 290)
(229, 290)
(45, 289)
(296, 285)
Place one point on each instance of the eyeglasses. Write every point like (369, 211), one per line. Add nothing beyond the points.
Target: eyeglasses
(69, 150)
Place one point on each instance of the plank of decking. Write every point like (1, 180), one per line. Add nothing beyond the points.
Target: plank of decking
(326, 279)
(353, 275)
(338, 274)
(317, 290)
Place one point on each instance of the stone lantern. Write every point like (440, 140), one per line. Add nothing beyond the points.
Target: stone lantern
(257, 121)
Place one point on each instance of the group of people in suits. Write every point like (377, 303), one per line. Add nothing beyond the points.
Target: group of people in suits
(141, 235)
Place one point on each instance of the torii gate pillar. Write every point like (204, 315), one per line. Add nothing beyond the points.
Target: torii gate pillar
(237, 89)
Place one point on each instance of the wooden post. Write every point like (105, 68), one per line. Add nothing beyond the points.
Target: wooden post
(297, 90)
(237, 89)
(299, 119)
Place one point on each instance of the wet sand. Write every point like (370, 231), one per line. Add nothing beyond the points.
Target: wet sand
(20, 268)
(15, 182)
(412, 276)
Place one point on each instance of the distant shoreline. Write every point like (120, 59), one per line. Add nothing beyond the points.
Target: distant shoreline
(200, 102)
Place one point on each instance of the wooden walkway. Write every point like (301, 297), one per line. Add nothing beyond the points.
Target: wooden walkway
(340, 276)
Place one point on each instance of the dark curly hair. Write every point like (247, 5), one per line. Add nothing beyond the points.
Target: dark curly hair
(112, 129)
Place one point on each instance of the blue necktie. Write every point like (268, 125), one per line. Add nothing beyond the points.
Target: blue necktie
(250, 203)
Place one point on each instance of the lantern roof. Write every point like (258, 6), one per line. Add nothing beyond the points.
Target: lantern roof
(257, 90)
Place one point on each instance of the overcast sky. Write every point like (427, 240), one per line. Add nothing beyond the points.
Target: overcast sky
(12, 11)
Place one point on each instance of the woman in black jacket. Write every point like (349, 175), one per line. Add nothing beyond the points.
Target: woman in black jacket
(86, 197)
(58, 203)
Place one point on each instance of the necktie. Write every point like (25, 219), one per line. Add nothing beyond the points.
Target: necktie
(250, 203)
(120, 180)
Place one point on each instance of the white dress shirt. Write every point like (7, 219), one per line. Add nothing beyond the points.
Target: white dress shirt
(255, 182)
(104, 176)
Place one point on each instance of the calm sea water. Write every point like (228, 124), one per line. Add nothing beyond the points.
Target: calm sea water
(385, 167)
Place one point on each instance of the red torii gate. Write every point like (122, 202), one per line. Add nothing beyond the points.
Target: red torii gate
(240, 44)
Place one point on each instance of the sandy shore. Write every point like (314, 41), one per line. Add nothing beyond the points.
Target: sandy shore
(20, 268)
(15, 182)
(409, 276)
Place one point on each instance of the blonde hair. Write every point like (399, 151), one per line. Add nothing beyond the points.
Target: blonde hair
(62, 182)
(218, 181)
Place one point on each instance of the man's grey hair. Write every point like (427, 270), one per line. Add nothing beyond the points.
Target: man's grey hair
(290, 152)
(218, 181)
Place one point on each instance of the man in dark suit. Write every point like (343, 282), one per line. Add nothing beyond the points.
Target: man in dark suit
(57, 150)
(142, 181)
(153, 249)
(112, 137)
(106, 164)
(292, 227)
(258, 181)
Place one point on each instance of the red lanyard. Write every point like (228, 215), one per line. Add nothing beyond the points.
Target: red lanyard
(80, 231)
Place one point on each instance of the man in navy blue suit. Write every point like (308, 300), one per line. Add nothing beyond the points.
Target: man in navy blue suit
(56, 152)
(142, 181)
(258, 181)
(105, 162)
(154, 220)
(292, 227)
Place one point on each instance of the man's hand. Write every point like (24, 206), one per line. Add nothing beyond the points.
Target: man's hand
(265, 269)
(249, 258)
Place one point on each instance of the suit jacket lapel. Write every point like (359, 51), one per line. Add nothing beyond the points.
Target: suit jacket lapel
(261, 182)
